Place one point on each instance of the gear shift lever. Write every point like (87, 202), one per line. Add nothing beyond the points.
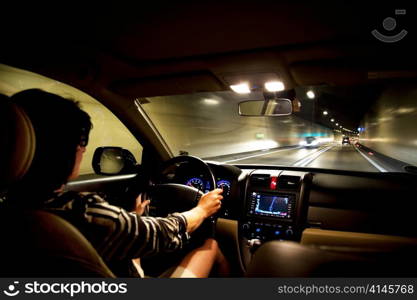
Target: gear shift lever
(254, 245)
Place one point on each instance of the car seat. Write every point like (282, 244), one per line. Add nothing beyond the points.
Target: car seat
(36, 243)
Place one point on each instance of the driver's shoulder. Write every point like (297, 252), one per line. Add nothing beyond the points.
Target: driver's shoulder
(71, 199)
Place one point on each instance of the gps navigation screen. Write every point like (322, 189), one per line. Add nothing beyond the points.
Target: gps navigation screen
(277, 206)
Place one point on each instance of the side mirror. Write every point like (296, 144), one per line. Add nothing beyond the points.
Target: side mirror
(113, 161)
(266, 108)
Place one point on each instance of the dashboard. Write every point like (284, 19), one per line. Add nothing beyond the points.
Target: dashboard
(266, 205)
(203, 185)
(279, 203)
(274, 206)
(226, 177)
(200, 183)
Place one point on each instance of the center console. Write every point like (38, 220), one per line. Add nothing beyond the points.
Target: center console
(273, 208)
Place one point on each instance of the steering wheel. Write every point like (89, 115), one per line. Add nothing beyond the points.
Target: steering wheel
(167, 198)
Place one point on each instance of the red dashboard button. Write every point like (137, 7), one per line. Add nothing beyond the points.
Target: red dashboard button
(273, 183)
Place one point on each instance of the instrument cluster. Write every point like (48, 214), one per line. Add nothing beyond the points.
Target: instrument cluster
(204, 186)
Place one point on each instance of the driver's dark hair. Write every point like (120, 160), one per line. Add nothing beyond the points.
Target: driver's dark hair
(59, 126)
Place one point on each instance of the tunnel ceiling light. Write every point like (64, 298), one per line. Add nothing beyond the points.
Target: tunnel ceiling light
(325, 112)
(331, 120)
(274, 86)
(310, 94)
(211, 101)
(241, 88)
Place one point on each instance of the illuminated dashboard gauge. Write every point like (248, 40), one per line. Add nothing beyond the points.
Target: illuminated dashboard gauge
(196, 182)
(208, 187)
(225, 186)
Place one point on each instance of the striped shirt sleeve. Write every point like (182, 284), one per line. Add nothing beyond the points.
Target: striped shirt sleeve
(118, 234)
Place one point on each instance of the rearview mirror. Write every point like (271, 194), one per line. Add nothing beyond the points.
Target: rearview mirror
(266, 108)
(113, 161)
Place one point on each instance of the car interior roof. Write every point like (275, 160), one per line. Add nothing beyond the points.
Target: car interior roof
(154, 49)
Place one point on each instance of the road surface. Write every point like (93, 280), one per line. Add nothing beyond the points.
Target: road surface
(329, 156)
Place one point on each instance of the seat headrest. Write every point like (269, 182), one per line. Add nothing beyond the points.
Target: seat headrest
(18, 142)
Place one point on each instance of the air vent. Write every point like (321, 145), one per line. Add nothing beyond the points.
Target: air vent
(288, 182)
(260, 180)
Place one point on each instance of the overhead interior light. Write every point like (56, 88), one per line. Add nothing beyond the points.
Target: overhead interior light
(337, 124)
(310, 94)
(211, 101)
(241, 88)
(274, 86)
(325, 112)
(331, 120)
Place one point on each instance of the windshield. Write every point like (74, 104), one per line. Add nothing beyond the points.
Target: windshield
(362, 128)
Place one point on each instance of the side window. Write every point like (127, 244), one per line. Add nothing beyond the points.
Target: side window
(107, 130)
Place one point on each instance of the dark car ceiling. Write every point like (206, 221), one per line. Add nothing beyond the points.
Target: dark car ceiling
(155, 49)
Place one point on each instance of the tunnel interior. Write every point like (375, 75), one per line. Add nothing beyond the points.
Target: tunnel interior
(193, 52)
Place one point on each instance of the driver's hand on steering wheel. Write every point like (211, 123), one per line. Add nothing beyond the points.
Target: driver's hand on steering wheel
(141, 204)
(211, 202)
(207, 206)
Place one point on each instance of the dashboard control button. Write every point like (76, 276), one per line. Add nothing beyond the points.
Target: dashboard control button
(273, 183)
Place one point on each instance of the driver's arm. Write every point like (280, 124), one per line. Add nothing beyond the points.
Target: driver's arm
(119, 234)
(208, 205)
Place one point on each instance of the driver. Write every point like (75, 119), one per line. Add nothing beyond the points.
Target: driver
(119, 236)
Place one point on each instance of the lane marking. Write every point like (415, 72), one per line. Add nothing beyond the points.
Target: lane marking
(309, 158)
(381, 169)
(261, 154)
(297, 162)
(313, 157)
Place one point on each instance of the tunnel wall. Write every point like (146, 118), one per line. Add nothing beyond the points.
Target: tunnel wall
(255, 135)
(187, 124)
(390, 127)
